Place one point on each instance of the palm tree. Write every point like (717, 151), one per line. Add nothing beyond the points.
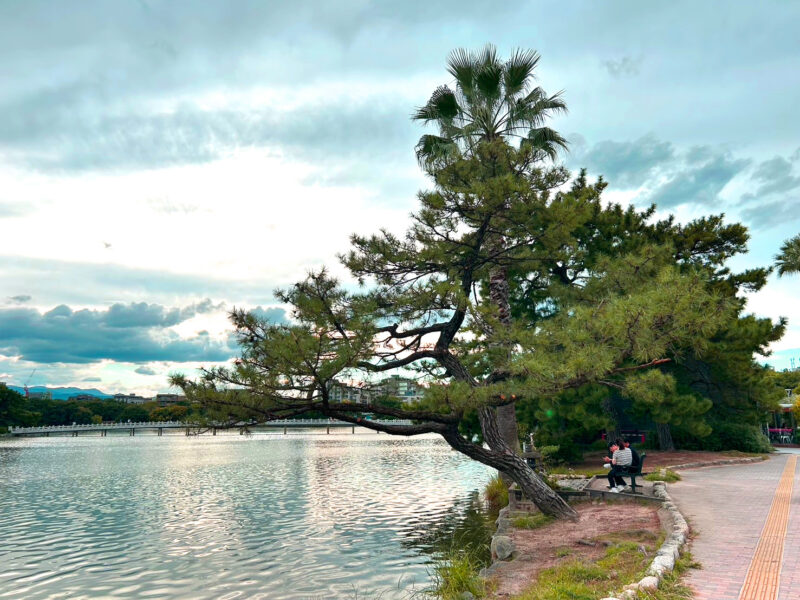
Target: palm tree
(492, 100)
(788, 260)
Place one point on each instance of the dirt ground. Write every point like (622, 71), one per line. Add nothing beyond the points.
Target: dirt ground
(565, 540)
(657, 459)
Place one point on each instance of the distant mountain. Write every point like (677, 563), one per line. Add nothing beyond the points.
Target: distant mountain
(62, 393)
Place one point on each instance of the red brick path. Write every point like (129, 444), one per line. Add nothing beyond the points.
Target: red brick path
(727, 508)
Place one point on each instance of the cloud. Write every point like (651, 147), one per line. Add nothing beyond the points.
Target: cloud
(764, 215)
(775, 176)
(145, 371)
(625, 66)
(626, 165)
(54, 281)
(136, 333)
(20, 299)
(92, 379)
(188, 134)
(698, 179)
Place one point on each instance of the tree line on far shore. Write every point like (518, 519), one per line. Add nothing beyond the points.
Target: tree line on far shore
(18, 411)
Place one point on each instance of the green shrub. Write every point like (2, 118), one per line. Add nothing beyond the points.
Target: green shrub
(496, 494)
(728, 436)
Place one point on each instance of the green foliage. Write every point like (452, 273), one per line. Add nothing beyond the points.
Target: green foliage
(667, 475)
(456, 573)
(496, 493)
(788, 260)
(727, 436)
(14, 409)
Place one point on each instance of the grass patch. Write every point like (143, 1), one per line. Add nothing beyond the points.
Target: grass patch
(562, 552)
(671, 587)
(578, 579)
(532, 521)
(667, 475)
(585, 472)
(456, 573)
(496, 494)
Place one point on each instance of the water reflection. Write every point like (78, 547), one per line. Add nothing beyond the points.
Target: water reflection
(231, 516)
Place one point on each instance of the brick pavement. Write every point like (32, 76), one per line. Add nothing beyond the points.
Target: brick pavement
(727, 508)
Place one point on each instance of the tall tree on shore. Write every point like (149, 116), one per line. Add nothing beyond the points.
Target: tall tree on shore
(429, 303)
(493, 100)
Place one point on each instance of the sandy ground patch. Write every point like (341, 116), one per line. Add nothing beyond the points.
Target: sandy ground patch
(565, 540)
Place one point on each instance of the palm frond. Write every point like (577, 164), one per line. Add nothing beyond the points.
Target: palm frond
(435, 150)
(461, 65)
(788, 260)
(442, 106)
(546, 140)
(488, 81)
(518, 71)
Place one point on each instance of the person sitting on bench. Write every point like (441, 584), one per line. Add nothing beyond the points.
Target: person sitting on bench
(620, 459)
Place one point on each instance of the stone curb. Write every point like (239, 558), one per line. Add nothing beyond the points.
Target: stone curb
(716, 463)
(670, 550)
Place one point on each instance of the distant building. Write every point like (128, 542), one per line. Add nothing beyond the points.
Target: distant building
(48, 395)
(342, 392)
(169, 399)
(131, 398)
(404, 388)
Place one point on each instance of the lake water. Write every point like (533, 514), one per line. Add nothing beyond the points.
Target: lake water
(264, 516)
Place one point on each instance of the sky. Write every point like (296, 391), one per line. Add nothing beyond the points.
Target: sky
(162, 162)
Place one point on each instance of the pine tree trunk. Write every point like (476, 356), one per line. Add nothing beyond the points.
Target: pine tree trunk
(612, 432)
(499, 295)
(665, 441)
(536, 490)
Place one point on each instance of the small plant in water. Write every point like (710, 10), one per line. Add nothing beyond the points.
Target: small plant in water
(457, 572)
(496, 494)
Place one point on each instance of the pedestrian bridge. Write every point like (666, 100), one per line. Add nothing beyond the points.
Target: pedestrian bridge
(190, 428)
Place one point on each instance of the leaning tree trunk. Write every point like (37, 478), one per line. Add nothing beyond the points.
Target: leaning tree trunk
(665, 441)
(505, 461)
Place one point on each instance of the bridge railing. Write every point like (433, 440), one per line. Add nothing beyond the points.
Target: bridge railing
(181, 424)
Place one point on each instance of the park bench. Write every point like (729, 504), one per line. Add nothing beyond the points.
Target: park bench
(634, 472)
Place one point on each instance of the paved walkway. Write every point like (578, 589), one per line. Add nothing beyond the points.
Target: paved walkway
(746, 525)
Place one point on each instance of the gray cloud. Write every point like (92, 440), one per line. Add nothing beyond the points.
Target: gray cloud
(704, 173)
(625, 66)
(625, 165)
(20, 299)
(76, 142)
(92, 379)
(53, 281)
(775, 176)
(145, 371)
(764, 215)
(135, 333)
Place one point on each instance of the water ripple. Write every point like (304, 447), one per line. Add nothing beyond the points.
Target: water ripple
(268, 516)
